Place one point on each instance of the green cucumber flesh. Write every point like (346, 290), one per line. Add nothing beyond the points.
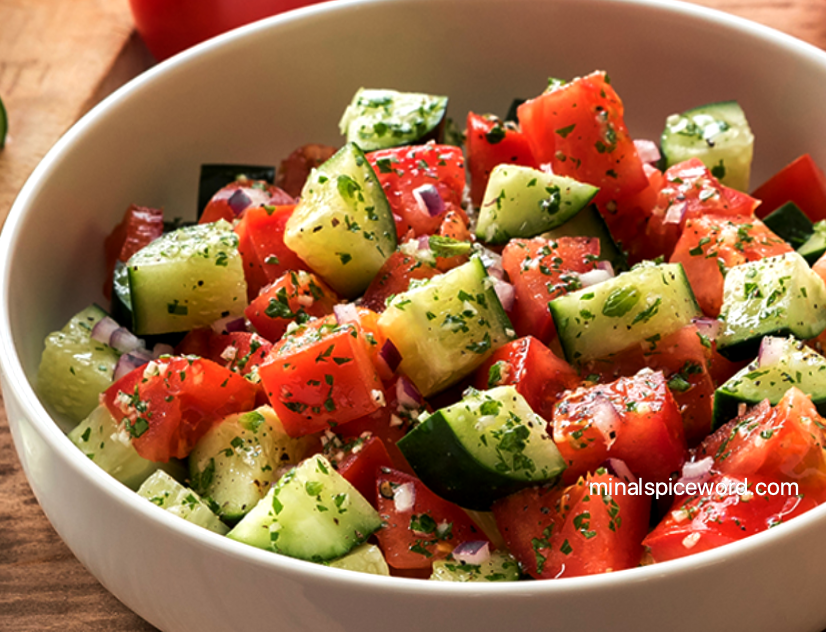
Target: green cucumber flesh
(365, 558)
(500, 567)
(168, 494)
(815, 246)
(524, 202)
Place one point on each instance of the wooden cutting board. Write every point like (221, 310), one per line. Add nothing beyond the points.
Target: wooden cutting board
(57, 59)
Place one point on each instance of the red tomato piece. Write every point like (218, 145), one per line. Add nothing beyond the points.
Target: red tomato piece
(234, 199)
(402, 170)
(712, 244)
(801, 182)
(568, 532)
(538, 375)
(171, 403)
(196, 343)
(359, 461)
(253, 270)
(294, 169)
(239, 351)
(266, 233)
(710, 519)
(541, 270)
(579, 128)
(490, 142)
(419, 526)
(321, 379)
(394, 277)
(454, 226)
(295, 296)
(139, 227)
(633, 419)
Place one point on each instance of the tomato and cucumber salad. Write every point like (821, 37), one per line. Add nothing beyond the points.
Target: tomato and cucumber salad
(436, 354)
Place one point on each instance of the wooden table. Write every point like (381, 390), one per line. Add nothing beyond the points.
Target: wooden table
(57, 59)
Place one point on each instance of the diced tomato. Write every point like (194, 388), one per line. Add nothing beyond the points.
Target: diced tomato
(239, 351)
(801, 182)
(359, 461)
(455, 226)
(419, 526)
(321, 379)
(491, 142)
(295, 296)
(402, 170)
(266, 232)
(541, 270)
(634, 419)
(234, 199)
(139, 227)
(784, 442)
(710, 519)
(539, 375)
(711, 244)
(196, 343)
(171, 403)
(567, 532)
(253, 270)
(579, 128)
(294, 169)
(394, 277)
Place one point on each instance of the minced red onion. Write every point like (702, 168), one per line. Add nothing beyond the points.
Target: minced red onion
(109, 332)
(592, 277)
(424, 242)
(771, 350)
(606, 265)
(505, 293)
(676, 213)
(104, 328)
(229, 324)
(618, 467)
(390, 355)
(429, 199)
(408, 395)
(492, 262)
(647, 151)
(239, 201)
(708, 327)
(694, 470)
(128, 362)
(475, 552)
(404, 497)
(605, 418)
(346, 313)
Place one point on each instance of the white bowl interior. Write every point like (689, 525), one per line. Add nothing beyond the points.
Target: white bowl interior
(252, 97)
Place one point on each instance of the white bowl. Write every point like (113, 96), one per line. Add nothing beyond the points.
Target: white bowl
(252, 96)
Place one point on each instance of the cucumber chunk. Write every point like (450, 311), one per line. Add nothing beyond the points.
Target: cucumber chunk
(167, 493)
(446, 327)
(589, 223)
(791, 224)
(814, 247)
(365, 558)
(312, 513)
(777, 296)
(718, 134)
(343, 227)
(500, 567)
(235, 463)
(378, 119)
(783, 363)
(188, 278)
(487, 446)
(524, 202)
(598, 321)
(74, 369)
(100, 437)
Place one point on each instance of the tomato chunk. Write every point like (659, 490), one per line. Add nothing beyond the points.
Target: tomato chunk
(572, 531)
(265, 225)
(633, 419)
(579, 128)
(394, 277)
(419, 526)
(231, 201)
(139, 227)
(359, 461)
(239, 351)
(171, 403)
(801, 182)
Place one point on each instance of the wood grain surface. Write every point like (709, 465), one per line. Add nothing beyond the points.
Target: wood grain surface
(58, 58)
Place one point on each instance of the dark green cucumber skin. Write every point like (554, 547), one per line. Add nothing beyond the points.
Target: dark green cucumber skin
(814, 247)
(791, 224)
(215, 177)
(453, 473)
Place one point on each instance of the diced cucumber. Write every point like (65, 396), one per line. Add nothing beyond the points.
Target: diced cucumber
(74, 369)
(500, 567)
(377, 119)
(718, 134)
(101, 439)
(122, 296)
(487, 446)
(815, 246)
(790, 223)
(188, 278)
(445, 327)
(790, 363)
(343, 227)
(365, 558)
(776, 296)
(524, 202)
(167, 493)
(236, 461)
(589, 223)
(598, 321)
(312, 513)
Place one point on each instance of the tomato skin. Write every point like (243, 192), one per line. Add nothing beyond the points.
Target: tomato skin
(568, 532)
(295, 296)
(321, 380)
(402, 546)
(801, 182)
(177, 404)
(239, 351)
(253, 270)
(579, 129)
(401, 170)
(492, 142)
(708, 520)
(359, 462)
(540, 270)
(266, 232)
(139, 227)
(394, 277)
(536, 372)
(644, 429)
(237, 197)
(294, 169)
(707, 241)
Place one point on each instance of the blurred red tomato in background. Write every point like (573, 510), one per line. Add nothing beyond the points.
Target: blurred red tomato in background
(170, 26)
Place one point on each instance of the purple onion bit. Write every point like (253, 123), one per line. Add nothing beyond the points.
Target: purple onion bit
(647, 151)
(229, 324)
(390, 355)
(408, 395)
(239, 201)
(109, 332)
(429, 199)
(618, 468)
(128, 362)
(346, 313)
(505, 293)
(475, 552)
